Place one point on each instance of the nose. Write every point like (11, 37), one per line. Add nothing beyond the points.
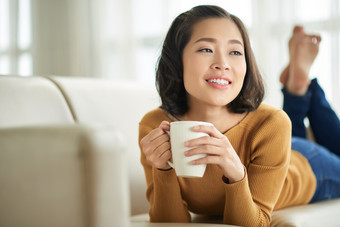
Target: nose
(221, 66)
(221, 63)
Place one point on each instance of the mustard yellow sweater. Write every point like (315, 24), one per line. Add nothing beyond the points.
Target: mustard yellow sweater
(276, 176)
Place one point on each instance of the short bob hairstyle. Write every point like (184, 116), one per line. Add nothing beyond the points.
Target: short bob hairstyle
(169, 72)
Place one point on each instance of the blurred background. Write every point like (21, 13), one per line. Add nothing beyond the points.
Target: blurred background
(121, 39)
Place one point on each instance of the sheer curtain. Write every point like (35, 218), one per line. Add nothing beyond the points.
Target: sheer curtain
(65, 37)
(273, 24)
(134, 46)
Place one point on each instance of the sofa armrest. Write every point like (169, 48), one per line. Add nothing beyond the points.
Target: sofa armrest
(108, 182)
(62, 175)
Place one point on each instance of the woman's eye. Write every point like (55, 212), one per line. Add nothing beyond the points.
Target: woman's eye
(235, 52)
(205, 50)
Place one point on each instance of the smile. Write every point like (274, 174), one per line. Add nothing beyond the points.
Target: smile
(219, 81)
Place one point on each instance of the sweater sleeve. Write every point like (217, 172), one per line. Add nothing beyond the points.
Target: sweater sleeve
(250, 201)
(163, 190)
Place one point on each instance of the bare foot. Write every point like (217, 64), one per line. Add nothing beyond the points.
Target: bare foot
(303, 49)
(284, 76)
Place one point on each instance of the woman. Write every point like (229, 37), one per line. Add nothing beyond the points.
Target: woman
(207, 72)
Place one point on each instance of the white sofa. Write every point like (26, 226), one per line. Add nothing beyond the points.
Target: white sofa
(67, 145)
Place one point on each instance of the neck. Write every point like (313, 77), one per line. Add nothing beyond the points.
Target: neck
(222, 118)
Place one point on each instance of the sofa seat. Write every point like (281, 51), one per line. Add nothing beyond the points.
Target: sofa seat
(325, 214)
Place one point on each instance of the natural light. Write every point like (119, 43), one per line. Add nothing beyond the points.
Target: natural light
(106, 47)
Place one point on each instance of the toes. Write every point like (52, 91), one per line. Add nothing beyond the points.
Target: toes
(297, 29)
(316, 39)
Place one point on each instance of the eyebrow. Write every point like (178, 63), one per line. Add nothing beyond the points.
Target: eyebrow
(213, 40)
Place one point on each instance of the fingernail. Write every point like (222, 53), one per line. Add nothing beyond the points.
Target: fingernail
(186, 153)
(186, 143)
(196, 127)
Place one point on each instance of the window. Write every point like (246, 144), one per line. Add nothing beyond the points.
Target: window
(15, 39)
(4, 38)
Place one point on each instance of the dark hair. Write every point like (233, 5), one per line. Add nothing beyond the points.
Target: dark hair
(169, 73)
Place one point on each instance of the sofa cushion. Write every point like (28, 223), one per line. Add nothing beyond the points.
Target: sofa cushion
(118, 104)
(31, 101)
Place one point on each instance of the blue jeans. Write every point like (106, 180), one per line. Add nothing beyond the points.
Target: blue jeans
(324, 155)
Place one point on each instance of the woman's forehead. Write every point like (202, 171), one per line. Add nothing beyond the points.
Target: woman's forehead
(216, 28)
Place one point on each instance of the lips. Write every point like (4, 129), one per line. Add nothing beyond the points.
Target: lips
(220, 82)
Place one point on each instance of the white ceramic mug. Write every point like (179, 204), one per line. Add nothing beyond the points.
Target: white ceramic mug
(180, 132)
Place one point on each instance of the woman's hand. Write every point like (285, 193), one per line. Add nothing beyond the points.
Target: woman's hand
(156, 146)
(219, 151)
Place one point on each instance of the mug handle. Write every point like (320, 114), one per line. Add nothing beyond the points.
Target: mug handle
(171, 164)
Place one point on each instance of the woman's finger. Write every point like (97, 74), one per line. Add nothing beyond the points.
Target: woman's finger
(207, 160)
(154, 134)
(208, 140)
(159, 141)
(160, 156)
(206, 149)
(165, 125)
(210, 130)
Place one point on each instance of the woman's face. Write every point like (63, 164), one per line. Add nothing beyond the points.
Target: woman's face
(214, 64)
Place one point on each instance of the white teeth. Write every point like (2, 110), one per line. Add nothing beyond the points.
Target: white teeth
(219, 81)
